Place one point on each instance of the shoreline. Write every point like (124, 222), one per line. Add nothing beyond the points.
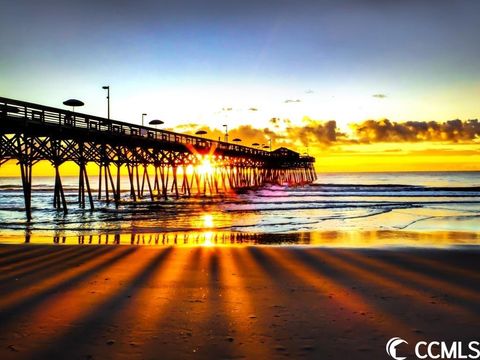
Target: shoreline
(219, 237)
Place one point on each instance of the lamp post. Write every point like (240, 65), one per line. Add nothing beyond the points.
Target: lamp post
(108, 100)
(226, 132)
(143, 117)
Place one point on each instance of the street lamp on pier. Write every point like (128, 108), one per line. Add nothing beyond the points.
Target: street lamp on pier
(226, 132)
(108, 100)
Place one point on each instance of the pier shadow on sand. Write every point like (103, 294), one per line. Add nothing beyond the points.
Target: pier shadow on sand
(231, 302)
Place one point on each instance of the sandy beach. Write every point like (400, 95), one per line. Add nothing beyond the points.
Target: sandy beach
(121, 302)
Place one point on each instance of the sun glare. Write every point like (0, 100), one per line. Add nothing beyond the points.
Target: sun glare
(207, 221)
(189, 170)
(208, 239)
(206, 166)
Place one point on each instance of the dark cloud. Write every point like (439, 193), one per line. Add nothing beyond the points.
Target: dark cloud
(315, 131)
(227, 109)
(253, 109)
(379, 96)
(371, 131)
(290, 101)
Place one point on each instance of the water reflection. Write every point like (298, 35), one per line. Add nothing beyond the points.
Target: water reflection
(210, 237)
(207, 221)
(191, 238)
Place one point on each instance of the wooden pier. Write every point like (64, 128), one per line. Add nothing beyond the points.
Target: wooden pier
(182, 165)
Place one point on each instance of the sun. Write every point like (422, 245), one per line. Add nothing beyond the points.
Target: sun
(205, 167)
(207, 221)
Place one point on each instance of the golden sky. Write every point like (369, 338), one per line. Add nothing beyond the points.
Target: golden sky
(369, 146)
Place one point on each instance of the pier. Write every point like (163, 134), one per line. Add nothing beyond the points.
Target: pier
(182, 165)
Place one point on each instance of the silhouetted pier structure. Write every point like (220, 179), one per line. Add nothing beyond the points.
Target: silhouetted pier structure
(183, 165)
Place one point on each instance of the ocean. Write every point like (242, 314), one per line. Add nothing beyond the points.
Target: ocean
(347, 209)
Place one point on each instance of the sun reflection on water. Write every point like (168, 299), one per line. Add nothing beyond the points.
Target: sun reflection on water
(212, 237)
(207, 239)
(208, 221)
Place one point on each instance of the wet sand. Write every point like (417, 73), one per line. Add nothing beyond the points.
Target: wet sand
(128, 302)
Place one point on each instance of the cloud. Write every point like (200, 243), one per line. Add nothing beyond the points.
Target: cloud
(186, 127)
(250, 135)
(309, 91)
(290, 101)
(253, 109)
(279, 123)
(372, 131)
(325, 133)
(227, 109)
(379, 96)
(316, 131)
(191, 129)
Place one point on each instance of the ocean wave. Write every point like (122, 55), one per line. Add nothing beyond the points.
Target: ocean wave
(273, 208)
(372, 194)
(356, 204)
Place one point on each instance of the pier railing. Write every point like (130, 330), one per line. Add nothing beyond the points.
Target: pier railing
(30, 114)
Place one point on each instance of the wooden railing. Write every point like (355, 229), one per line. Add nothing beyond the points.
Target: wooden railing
(34, 113)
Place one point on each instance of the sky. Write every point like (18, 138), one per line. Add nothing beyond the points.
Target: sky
(197, 64)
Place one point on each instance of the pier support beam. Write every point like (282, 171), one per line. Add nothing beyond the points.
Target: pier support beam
(24, 150)
(117, 190)
(83, 183)
(59, 200)
(26, 173)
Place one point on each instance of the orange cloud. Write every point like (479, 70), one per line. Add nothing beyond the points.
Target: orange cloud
(326, 133)
(372, 131)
